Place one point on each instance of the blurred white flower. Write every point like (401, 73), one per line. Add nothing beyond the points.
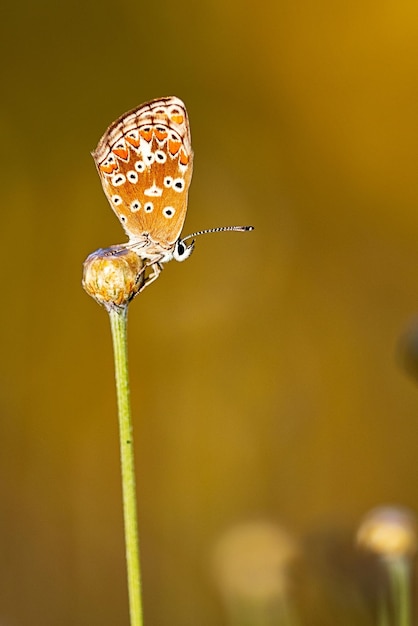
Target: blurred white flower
(251, 561)
(390, 532)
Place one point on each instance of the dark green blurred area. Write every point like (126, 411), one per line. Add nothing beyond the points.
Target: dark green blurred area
(273, 374)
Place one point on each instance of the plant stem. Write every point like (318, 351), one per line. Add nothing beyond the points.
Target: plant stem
(400, 580)
(118, 323)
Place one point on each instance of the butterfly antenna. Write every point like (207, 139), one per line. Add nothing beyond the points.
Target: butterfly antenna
(220, 229)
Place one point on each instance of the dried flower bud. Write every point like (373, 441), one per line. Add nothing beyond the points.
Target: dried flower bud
(113, 276)
(390, 532)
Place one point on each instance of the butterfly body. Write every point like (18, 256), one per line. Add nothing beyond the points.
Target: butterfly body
(145, 164)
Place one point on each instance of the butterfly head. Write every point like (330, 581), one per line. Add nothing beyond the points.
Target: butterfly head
(182, 251)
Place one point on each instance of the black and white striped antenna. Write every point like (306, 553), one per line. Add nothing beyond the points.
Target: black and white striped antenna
(220, 229)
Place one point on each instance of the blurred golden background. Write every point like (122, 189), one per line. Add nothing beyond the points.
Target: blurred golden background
(274, 374)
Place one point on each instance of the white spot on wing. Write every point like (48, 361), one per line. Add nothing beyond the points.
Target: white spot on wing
(160, 156)
(153, 191)
(118, 180)
(132, 176)
(135, 206)
(133, 134)
(169, 211)
(178, 184)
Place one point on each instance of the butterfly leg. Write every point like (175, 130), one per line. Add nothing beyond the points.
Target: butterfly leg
(156, 269)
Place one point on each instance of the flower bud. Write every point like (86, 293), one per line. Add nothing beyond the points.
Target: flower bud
(390, 532)
(113, 276)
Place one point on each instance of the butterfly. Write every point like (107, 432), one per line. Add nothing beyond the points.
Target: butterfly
(145, 164)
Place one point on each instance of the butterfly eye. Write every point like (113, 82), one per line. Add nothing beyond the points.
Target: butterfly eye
(116, 200)
(139, 166)
(168, 181)
(148, 207)
(181, 251)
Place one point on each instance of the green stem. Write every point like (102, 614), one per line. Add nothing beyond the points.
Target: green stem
(118, 323)
(400, 581)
